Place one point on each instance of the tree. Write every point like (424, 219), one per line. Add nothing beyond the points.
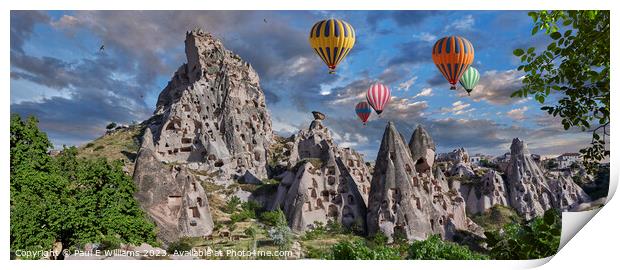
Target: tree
(574, 69)
(66, 199)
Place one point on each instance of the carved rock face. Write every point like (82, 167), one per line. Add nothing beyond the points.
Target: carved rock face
(213, 113)
(211, 118)
(410, 204)
(324, 182)
(422, 150)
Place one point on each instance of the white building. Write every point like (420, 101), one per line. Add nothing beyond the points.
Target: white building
(565, 160)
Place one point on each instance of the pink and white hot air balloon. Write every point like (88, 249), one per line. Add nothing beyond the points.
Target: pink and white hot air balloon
(378, 96)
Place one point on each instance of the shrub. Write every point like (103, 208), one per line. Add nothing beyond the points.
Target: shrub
(358, 250)
(110, 125)
(179, 246)
(273, 218)
(89, 145)
(538, 238)
(231, 204)
(99, 148)
(434, 248)
(281, 236)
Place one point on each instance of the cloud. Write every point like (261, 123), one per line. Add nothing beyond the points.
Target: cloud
(426, 37)
(517, 114)
(426, 92)
(496, 87)
(22, 26)
(413, 52)
(407, 84)
(402, 18)
(464, 24)
(458, 108)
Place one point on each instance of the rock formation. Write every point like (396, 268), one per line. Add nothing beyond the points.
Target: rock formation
(486, 193)
(213, 112)
(529, 193)
(422, 150)
(324, 182)
(567, 193)
(171, 196)
(408, 204)
(211, 118)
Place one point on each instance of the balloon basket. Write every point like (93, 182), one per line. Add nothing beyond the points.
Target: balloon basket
(453, 87)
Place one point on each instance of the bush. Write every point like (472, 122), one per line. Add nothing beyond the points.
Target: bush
(231, 204)
(434, 248)
(273, 218)
(179, 246)
(281, 236)
(98, 148)
(358, 250)
(110, 125)
(538, 238)
(89, 145)
(316, 232)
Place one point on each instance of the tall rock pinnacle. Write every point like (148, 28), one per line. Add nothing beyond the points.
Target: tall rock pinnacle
(213, 112)
(211, 119)
(408, 204)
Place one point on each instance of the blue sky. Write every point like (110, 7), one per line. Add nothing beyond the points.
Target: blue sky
(59, 75)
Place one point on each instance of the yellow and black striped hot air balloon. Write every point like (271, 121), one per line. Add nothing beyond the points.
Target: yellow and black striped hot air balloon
(332, 40)
(452, 56)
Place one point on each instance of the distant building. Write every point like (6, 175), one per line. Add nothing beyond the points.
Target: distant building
(566, 160)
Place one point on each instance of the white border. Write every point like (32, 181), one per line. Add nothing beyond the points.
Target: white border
(594, 246)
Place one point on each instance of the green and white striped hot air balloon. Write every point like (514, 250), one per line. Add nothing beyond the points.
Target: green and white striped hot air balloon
(470, 79)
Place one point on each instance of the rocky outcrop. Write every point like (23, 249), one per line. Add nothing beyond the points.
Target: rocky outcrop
(486, 193)
(323, 182)
(529, 193)
(171, 196)
(422, 150)
(408, 204)
(213, 113)
(210, 119)
(567, 193)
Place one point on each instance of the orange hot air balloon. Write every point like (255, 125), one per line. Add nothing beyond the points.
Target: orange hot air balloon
(452, 56)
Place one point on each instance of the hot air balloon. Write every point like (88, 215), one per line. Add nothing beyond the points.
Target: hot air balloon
(452, 55)
(363, 111)
(378, 96)
(470, 79)
(332, 40)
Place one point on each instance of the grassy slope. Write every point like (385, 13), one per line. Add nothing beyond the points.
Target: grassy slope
(121, 144)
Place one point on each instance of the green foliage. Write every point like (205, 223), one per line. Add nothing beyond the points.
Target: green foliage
(496, 217)
(281, 236)
(110, 125)
(184, 244)
(273, 218)
(574, 65)
(318, 230)
(98, 148)
(538, 238)
(434, 248)
(359, 250)
(67, 199)
(231, 204)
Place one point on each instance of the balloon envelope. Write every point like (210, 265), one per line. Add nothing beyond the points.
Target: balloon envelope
(332, 40)
(452, 55)
(378, 95)
(470, 79)
(363, 111)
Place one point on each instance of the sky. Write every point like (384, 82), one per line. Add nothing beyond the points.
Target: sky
(59, 74)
